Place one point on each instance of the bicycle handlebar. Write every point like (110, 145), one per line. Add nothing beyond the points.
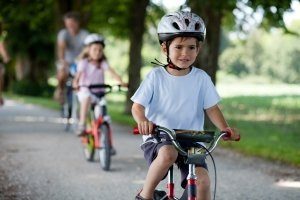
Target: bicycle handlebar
(193, 136)
(104, 86)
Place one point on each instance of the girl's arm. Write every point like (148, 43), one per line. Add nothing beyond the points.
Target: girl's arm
(114, 74)
(144, 125)
(76, 80)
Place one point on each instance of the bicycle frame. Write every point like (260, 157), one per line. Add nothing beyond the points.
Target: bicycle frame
(207, 137)
(94, 129)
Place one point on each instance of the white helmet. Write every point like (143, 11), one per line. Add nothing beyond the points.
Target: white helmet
(181, 23)
(94, 38)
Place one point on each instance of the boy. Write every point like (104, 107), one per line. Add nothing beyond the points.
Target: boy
(176, 96)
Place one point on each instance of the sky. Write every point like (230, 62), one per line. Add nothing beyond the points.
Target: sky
(173, 5)
(288, 17)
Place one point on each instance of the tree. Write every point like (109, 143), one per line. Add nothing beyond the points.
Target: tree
(28, 25)
(124, 19)
(215, 13)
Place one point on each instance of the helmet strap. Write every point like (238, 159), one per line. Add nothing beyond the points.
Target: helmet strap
(172, 65)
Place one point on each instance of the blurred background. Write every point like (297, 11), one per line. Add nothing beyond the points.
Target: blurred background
(251, 52)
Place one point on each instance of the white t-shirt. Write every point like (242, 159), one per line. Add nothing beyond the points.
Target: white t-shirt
(176, 102)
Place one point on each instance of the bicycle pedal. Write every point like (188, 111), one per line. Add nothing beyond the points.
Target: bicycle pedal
(160, 194)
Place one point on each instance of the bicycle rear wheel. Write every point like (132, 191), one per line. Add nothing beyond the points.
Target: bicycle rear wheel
(104, 151)
(89, 147)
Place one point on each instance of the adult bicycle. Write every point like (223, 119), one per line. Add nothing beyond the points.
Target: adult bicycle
(98, 135)
(199, 145)
(69, 106)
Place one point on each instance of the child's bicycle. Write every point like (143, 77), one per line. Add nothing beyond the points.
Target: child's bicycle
(201, 143)
(98, 135)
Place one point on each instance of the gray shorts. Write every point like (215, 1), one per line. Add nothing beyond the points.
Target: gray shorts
(151, 147)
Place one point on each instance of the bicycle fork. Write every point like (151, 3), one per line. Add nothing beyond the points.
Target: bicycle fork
(191, 188)
(170, 184)
(191, 183)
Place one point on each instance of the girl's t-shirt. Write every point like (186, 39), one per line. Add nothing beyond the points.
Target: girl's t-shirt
(91, 74)
(176, 102)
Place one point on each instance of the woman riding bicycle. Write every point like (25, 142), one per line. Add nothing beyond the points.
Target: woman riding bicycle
(91, 69)
(176, 96)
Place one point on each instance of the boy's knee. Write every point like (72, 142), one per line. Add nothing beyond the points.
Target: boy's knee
(203, 183)
(167, 156)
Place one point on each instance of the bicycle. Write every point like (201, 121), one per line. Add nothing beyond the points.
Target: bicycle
(198, 140)
(98, 135)
(69, 107)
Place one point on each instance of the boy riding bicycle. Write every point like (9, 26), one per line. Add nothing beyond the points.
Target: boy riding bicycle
(176, 96)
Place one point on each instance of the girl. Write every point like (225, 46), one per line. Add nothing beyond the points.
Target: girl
(91, 68)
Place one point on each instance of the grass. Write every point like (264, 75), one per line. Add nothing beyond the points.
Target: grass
(269, 124)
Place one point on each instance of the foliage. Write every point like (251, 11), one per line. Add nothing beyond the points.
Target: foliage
(30, 32)
(275, 55)
(28, 88)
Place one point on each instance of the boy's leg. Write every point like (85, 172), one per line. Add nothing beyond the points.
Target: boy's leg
(166, 156)
(203, 184)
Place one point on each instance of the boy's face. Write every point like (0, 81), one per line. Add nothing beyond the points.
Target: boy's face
(183, 51)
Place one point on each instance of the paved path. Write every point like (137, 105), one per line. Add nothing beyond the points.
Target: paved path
(38, 160)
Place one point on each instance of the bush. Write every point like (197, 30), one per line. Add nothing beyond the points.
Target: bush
(26, 87)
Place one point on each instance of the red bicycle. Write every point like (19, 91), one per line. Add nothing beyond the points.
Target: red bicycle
(200, 144)
(98, 135)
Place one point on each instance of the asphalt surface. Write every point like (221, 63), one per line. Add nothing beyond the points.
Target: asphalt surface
(39, 160)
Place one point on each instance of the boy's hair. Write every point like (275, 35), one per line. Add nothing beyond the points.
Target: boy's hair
(72, 15)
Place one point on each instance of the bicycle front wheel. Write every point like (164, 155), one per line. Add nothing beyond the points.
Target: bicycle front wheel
(89, 147)
(104, 151)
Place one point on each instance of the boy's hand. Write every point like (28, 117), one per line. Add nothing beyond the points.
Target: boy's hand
(234, 135)
(145, 127)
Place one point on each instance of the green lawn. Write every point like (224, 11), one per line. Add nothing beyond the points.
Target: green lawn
(269, 125)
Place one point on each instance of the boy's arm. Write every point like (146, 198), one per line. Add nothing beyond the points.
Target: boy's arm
(144, 125)
(215, 115)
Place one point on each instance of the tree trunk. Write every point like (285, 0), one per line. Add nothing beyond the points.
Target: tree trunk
(209, 54)
(137, 27)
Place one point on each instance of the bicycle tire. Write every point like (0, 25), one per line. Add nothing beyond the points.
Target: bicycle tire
(68, 104)
(104, 151)
(89, 147)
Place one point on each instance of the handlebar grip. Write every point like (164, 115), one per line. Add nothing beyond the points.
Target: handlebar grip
(227, 136)
(238, 138)
(136, 131)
